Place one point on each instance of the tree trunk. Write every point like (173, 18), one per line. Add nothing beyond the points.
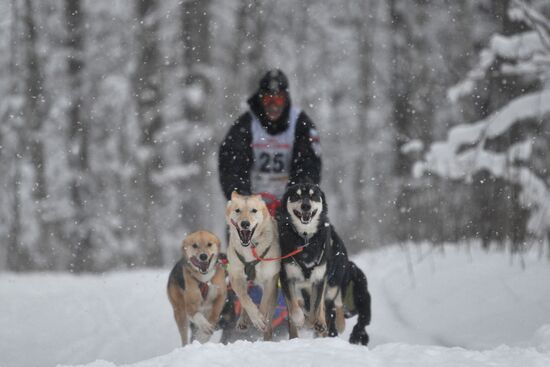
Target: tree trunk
(32, 137)
(196, 18)
(80, 239)
(149, 101)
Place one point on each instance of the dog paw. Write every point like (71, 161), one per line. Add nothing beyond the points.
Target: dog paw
(242, 323)
(202, 337)
(340, 320)
(320, 327)
(259, 322)
(202, 324)
(297, 317)
(359, 336)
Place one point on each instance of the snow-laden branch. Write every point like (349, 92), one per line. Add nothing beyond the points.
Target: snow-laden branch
(527, 50)
(449, 158)
(534, 194)
(529, 106)
(463, 153)
(535, 19)
(448, 163)
(171, 175)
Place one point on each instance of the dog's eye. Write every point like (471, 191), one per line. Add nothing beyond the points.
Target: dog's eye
(254, 210)
(195, 245)
(209, 244)
(237, 210)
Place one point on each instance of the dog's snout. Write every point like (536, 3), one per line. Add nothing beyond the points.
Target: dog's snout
(306, 206)
(245, 224)
(203, 257)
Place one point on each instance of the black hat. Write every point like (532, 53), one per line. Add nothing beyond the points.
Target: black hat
(273, 82)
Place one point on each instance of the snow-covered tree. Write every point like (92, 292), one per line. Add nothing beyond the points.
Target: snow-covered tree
(511, 142)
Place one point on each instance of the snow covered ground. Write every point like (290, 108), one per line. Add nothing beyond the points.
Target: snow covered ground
(449, 306)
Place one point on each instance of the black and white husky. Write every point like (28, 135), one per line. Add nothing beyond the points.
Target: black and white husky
(319, 274)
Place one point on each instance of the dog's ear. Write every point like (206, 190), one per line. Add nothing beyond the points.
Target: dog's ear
(235, 195)
(325, 205)
(228, 209)
(217, 241)
(184, 245)
(265, 211)
(284, 199)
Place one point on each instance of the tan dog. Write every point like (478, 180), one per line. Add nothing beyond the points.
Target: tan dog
(251, 225)
(196, 286)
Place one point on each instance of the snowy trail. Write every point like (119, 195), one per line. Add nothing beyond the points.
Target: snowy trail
(478, 302)
(330, 353)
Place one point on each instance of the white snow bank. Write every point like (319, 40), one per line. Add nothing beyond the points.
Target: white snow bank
(541, 340)
(450, 296)
(336, 352)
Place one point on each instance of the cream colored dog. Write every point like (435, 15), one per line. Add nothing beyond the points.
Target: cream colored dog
(251, 226)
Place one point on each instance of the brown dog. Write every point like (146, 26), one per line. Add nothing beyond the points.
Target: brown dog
(196, 286)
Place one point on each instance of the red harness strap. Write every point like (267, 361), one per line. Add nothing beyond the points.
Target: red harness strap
(297, 251)
(204, 290)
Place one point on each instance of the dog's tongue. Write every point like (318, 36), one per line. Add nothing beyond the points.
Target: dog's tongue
(246, 235)
(306, 217)
(202, 265)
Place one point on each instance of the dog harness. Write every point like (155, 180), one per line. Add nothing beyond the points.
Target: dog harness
(250, 266)
(307, 270)
(272, 156)
(204, 287)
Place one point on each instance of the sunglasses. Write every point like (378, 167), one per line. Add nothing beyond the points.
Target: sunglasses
(277, 99)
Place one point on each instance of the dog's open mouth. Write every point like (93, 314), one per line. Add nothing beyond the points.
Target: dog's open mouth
(305, 217)
(246, 235)
(201, 265)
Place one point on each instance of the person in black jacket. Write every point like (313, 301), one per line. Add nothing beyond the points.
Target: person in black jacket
(269, 147)
(272, 145)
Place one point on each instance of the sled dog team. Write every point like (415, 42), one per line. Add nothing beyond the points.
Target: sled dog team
(299, 249)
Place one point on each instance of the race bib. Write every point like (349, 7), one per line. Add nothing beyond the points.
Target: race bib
(272, 156)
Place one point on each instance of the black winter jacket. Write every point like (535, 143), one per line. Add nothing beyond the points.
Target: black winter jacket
(236, 155)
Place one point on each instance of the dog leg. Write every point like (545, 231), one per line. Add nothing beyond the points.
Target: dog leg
(240, 287)
(202, 324)
(183, 325)
(335, 309)
(244, 321)
(218, 303)
(340, 317)
(317, 307)
(331, 318)
(362, 302)
(216, 309)
(195, 316)
(177, 300)
(268, 304)
(295, 307)
(292, 329)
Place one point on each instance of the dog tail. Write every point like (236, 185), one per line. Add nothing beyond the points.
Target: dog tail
(362, 303)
